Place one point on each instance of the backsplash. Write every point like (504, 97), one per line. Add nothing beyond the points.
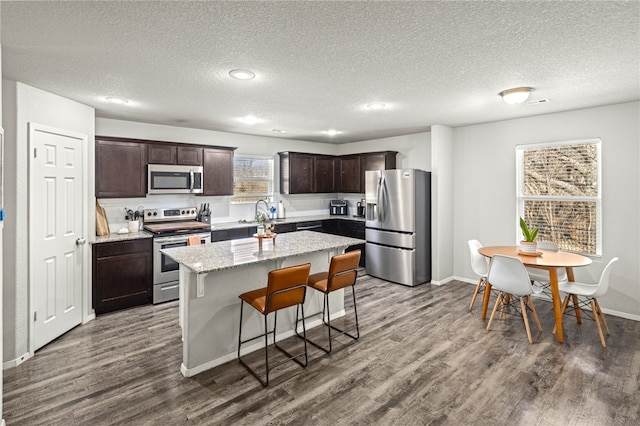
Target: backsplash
(221, 207)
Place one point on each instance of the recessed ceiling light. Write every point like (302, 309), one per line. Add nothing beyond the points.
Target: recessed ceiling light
(278, 130)
(376, 105)
(242, 74)
(331, 132)
(117, 101)
(516, 95)
(250, 120)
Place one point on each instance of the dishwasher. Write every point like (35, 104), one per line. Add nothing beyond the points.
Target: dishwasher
(309, 226)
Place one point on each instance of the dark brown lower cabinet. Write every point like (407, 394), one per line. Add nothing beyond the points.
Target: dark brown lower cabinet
(122, 274)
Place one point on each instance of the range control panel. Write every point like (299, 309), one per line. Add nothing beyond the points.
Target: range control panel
(172, 214)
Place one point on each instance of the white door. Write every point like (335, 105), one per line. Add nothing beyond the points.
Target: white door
(56, 229)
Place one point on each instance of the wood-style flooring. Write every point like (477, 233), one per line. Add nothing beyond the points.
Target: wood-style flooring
(422, 359)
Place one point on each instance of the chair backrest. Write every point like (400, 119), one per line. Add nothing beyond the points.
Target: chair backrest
(287, 287)
(479, 263)
(509, 275)
(343, 270)
(547, 245)
(603, 284)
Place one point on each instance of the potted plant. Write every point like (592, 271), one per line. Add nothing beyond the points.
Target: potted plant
(528, 244)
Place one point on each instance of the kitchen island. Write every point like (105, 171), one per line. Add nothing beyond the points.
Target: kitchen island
(212, 276)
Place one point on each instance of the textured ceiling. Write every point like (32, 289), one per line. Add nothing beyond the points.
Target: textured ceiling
(318, 64)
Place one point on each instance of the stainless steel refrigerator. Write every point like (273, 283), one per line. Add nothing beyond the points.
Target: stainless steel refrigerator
(398, 225)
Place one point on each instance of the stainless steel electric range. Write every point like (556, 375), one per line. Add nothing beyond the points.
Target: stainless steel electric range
(171, 228)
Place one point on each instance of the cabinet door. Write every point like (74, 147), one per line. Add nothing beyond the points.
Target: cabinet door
(324, 173)
(162, 154)
(120, 169)
(217, 172)
(296, 173)
(189, 156)
(350, 174)
(122, 275)
(379, 160)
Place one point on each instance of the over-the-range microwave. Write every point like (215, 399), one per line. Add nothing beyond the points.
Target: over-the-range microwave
(169, 179)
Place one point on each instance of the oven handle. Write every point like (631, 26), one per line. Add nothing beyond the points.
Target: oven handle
(177, 238)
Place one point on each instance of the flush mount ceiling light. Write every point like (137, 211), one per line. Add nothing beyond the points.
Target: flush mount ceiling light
(516, 95)
(250, 120)
(117, 101)
(331, 132)
(242, 74)
(376, 105)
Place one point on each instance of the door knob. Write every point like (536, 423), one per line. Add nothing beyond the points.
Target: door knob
(80, 241)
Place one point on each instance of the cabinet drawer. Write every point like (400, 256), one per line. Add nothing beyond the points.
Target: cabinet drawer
(123, 247)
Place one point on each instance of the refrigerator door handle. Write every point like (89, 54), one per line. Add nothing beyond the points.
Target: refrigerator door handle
(380, 201)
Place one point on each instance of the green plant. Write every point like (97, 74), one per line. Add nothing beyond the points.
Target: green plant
(529, 235)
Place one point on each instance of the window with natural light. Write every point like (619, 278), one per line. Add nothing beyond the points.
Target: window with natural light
(252, 179)
(559, 192)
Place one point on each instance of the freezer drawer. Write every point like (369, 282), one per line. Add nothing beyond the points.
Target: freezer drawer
(395, 239)
(392, 264)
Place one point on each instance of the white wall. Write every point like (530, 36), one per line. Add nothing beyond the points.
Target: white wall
(442, 204)
(485, 189)
(23, 104)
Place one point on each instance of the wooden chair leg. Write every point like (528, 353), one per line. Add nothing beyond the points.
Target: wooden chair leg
(565, 302)
(597, 319)
(576, 308)
(525, 318)
(475, 293)
(604, 322)
(495, 308)
(506, 299)
(535, 314)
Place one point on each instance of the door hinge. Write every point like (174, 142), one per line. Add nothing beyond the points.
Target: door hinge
(35, 316)
(35, 152)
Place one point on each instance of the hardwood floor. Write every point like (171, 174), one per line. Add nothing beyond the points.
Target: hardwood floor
(421, 359)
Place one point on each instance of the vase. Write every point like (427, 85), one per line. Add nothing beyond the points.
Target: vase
(528, 246)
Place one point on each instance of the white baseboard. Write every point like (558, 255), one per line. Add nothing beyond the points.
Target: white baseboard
(442, 282)
(15, 362)
(190, 372)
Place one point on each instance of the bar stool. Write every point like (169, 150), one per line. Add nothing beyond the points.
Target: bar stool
(286, 287)
(343, 272)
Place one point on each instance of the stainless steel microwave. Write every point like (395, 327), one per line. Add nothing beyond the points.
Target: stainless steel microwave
(168, 179)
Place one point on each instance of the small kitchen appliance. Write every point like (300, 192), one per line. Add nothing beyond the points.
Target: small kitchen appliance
(171, 227)
(360, 207)
(171, 179)
(338, 207)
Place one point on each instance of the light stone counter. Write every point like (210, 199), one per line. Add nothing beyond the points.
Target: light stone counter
(212, 276)
(120, 237)
(295, 219)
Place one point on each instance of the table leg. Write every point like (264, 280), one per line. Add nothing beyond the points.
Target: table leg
(557, 306)
(485, 299)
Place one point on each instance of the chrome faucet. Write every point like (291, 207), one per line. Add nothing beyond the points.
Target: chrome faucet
(266, 211)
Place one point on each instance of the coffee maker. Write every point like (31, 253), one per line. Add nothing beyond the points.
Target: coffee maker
(360, 206)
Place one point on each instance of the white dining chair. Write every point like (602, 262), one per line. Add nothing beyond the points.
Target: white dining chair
(480, 266)
(587, 295)
(509, 277)
(541, 276)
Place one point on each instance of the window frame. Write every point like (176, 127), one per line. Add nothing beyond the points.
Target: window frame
(271, 180)
(597, 199)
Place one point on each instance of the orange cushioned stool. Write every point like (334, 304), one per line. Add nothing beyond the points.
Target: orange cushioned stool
(286, 287)
(343, 272)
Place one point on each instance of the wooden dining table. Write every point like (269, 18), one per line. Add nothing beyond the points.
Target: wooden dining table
(544, 259)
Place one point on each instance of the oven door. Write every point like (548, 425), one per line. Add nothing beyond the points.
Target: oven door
(164, 268)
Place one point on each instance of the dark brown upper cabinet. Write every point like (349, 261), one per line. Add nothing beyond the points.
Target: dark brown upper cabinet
(167, 153)
(384, 160)
(217, 171)
(350, 176)
(324, 173)
(296, 173)
(120, 168)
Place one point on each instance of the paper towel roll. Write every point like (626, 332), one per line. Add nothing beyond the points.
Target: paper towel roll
(281, 212)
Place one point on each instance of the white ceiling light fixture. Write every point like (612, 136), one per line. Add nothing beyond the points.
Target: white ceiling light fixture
(516, 95)
(115, 100)
(332, 132)
(242, 74)
(376, 105)
(250, 120)
(278, 131)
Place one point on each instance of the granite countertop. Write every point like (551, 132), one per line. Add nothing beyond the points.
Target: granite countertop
(120, 237)
(230, 254)
(295, 219)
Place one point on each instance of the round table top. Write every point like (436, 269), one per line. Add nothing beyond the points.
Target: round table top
(548, 258)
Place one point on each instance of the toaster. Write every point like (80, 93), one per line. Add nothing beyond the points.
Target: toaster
(338, 207)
